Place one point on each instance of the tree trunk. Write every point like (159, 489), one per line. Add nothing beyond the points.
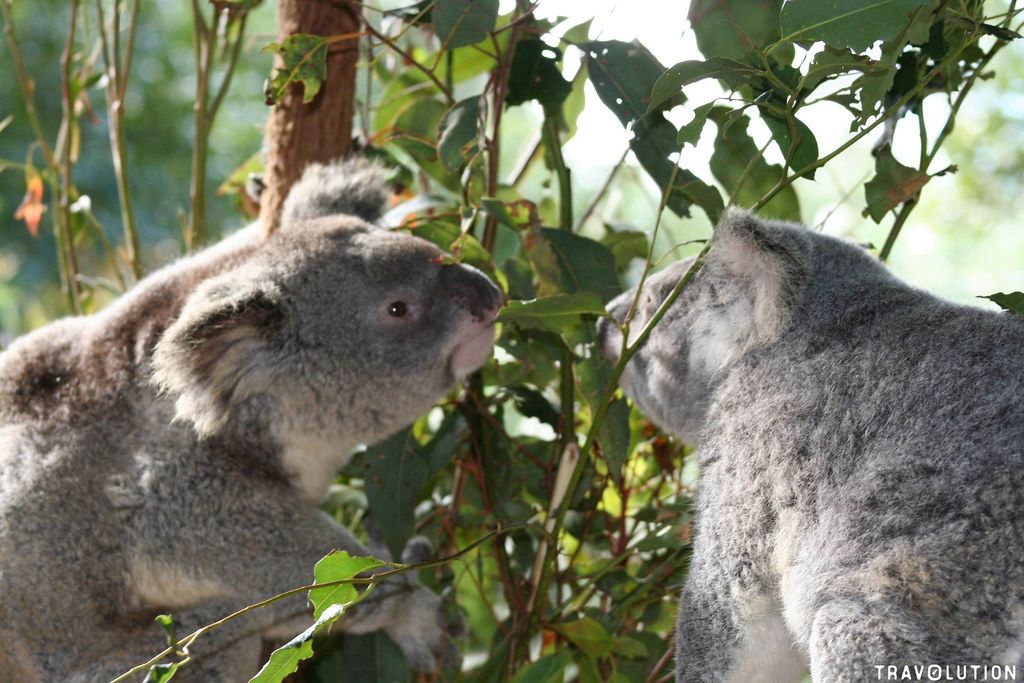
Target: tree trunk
(299, 134)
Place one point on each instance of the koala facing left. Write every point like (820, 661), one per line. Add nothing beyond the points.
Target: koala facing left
(168, 453)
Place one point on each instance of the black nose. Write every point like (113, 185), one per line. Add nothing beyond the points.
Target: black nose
(472, 290)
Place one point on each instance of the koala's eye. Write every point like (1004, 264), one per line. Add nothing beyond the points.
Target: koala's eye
(398, 309)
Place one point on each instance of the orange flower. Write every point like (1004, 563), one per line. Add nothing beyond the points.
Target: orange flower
(31, 208)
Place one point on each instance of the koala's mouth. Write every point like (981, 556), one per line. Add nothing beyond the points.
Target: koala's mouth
(472, 350)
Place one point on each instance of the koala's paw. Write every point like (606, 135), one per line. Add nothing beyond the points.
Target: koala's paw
(421, 630)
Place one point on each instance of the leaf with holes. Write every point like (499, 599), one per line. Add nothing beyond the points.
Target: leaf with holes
(463, 22)
(534, 75)
(304, 60)
(847, 23)
(624, 74)
(892, 185)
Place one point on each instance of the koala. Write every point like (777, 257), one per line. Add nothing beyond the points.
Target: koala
(168, 454)
(861, 449)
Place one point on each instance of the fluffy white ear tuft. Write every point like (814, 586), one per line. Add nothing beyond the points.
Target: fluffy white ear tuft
(763, 279)
(220, 350)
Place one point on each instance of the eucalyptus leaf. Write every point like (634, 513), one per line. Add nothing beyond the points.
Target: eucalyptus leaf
(1013, 301)
(847, 23)
(458, 132)
(463, 22)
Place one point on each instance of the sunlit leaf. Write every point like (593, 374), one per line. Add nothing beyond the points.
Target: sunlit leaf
(337, 566)
(304, 58)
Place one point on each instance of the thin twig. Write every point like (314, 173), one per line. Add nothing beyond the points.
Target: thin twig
(602, 190)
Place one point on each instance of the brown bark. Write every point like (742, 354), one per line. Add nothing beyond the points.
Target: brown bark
(298, 134)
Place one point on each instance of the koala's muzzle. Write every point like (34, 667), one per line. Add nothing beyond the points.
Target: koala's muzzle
(471, 290)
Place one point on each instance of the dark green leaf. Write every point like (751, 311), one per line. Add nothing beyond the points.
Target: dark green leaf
(795, 140)
(626, 245)
(458, 132)
(847, 23)
(613, 435)
(534, 74)
(629, 647)
(396, 472)
(552, 311)
(1014, 301)
(669, 84)
(588, 635)
(532, 403)
(547, 669)
(833, 61)
(464, 22)
(734, 151)
(892, 185)
(585, 265)
(304, 56)
(734, 28)
(689, 133)
(624, 75)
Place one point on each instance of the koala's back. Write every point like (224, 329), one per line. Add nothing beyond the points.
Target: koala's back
(79, 425)
(888, 427)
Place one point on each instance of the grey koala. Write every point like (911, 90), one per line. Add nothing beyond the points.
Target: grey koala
(861, 445)
(168, 453)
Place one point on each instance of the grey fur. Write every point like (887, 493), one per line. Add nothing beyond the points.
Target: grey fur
(168, 453)
(861, 445)
(353, 186)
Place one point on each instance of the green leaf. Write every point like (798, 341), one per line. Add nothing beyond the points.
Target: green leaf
(855, 24)
(736, 29)
(588, 635)
(458, 132)
(734, 150)
(534, 75)
(796, 144)
(689, 133)
(305, 61)
(338, 566)
(669, 84)
(464, 22)
(285, 659)
(833, 61)
(161, 673)
(629, 647)
(614, 436)
(584, 264)
(552, 311)
(1014, 301)
(626, 246)
(547, 669)
(892, 185)
(624, 74)
(396, 472)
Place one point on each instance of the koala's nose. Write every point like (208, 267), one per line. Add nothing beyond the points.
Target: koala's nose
(472, 290)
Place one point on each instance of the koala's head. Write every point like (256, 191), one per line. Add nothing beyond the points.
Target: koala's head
(741, 299)
(348, 331)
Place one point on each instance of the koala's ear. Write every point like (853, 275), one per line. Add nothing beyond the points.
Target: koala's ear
(767, 273)
(349, 187)
(220, 350)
